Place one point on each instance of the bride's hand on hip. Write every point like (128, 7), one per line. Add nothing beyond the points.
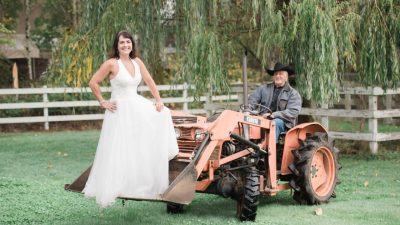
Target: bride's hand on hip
(159, 106)
(109, 105)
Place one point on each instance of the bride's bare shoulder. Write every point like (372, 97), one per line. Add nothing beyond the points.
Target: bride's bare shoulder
(111, 62)
(138, 60)
(112, 65)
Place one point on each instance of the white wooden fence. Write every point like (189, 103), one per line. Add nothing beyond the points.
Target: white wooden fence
(372, 114)
(213, 103)
(45, 104)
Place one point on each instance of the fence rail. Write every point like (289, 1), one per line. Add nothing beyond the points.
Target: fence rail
(45, 104)
(372, 114)
(212, 103)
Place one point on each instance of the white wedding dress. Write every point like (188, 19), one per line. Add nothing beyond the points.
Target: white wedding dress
(135, 144)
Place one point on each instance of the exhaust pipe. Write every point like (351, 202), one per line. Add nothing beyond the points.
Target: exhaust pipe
(246, 129)
(245, 91)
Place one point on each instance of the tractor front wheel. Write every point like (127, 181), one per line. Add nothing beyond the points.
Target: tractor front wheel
(248, 201)
(315, 171)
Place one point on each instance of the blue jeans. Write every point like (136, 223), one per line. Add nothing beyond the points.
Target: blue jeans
(280, 127)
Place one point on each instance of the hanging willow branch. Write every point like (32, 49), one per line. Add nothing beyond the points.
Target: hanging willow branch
(312, 48)
(83, 52)
(270, 42)
(203, 64)
(378, 55)
(319, 38)
(346, 28)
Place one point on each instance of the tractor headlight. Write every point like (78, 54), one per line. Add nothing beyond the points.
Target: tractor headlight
(177, 132)
(198, 134)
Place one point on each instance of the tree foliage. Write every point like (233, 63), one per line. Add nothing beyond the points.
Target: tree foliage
(378, 54)
(202, 61)
(4, 39)
(56, 18)
(5, 64)
(84, 50)
(312, 48)
(272, 38)
(8, 13)
(321, 39)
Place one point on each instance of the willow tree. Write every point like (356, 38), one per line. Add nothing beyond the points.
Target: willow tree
(83, 50)
(318, 37)
(203, 63)
(272, 36)
(206, 32)
(378, 53)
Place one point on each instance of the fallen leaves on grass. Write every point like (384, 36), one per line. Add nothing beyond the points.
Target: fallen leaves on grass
(61, 153)
(366, 183)
(318, 211)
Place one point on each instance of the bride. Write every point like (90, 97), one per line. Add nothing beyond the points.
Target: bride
(137, 137)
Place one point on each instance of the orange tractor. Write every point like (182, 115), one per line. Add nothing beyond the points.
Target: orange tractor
(235, 154)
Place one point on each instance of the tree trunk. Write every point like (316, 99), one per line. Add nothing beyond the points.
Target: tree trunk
(28, 37)
(74, 14)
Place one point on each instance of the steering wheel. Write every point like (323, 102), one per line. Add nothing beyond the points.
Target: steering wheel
(263, 109)
(259, 110)
(244, 108)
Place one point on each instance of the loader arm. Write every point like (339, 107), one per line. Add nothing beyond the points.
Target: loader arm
(221, 130)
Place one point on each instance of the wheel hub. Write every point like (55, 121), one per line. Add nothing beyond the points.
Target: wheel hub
(322, 171)
(314, 170)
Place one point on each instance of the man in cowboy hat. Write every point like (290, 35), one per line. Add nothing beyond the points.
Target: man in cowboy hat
(283, 100)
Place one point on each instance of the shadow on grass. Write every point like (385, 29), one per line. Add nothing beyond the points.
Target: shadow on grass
(283, 199)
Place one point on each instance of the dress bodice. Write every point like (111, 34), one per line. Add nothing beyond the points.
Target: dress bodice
(124, 85)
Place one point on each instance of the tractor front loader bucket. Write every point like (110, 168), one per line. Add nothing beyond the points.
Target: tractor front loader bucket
(79, 184)
(181, 190)
(183, 186)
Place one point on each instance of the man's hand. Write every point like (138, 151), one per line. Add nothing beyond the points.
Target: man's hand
(267, 116)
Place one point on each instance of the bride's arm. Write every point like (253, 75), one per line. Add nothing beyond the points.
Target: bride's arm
(94, 84)
(150, 83)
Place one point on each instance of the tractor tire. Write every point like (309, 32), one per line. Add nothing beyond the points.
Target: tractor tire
(248, 201)
(174, 208)
(315, 170)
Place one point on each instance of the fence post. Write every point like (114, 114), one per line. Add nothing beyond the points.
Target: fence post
(45, 109)
(208, 102)
(373, 124)
(313, 105)
(185, 97)
(388, 105)
(347, 104)
(325, 119)
(347, 101)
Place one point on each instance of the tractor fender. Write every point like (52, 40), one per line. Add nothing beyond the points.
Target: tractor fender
(293, 139)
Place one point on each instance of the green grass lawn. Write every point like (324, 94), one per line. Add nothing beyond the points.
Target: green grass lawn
(359, 125)
(35, 166)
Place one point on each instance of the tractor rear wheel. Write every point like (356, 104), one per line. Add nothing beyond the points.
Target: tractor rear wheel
(248, 201)
(174, 208)
(315, 171)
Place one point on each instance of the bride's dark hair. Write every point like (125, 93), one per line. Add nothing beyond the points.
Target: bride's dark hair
(115, 53)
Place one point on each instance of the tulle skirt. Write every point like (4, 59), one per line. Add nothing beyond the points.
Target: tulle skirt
(132, 155)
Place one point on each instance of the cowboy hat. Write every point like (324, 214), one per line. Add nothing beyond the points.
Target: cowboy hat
(280, 67)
